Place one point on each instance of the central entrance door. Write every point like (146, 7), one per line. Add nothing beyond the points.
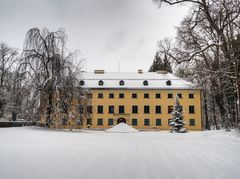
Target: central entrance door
(121, 120)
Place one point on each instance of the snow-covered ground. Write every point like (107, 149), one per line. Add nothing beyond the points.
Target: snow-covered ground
(30, 153)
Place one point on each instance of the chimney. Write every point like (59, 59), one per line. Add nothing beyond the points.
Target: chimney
(162, 72)
(99, 71)
(140, 71)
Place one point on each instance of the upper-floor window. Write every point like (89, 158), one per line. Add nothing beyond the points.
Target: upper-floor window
(158, 110)
(121, 95)
(190, 95)
(169, 83)
(191, 109)
(121, 109)
(100, 83)
(134, 109)
(145, 83)
(111, 109)
(121, 83)
(134, 95)
(146, 95)
(158, 95)
(100, 95)
(89, 109)
(179, 95)
(81, 109)
(170, 109)
(89, 95)
(82, 83)
(111, 95)
(100, 109)
(146, 109)
(170, 95)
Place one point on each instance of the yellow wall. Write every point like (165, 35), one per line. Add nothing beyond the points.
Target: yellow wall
(140, 101)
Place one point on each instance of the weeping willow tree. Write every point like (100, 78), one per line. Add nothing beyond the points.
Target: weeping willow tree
(54, 77)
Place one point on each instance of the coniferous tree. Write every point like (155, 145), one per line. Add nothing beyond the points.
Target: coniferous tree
(156, 63)
(177, 122)
(167, 64)
(160, 65)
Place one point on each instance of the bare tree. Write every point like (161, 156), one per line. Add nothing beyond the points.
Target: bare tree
(7, 58)
(208, 37)
(49, 68)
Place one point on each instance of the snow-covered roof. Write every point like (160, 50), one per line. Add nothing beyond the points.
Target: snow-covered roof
(134, 80)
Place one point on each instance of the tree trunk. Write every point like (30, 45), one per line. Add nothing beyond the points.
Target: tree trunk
(207, 126)
(14, 116)
(49, 107)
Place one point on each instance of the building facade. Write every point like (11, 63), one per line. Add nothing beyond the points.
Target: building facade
(143, 100)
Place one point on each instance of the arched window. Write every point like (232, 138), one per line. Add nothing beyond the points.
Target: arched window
(100, 83)
(169, 83)
(145, 83)
(121, 83)
(82, 83)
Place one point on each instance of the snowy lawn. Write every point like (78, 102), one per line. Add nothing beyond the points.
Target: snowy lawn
(30, 153)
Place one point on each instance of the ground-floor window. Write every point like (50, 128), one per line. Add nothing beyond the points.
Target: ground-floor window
(110, 122)
(158, 122)
(191, 122)
(79, 122)
(134, 122)
(169, 121)
(146, 122)
(100, 122)
(89, 121)
(64, 121)
(121, 109)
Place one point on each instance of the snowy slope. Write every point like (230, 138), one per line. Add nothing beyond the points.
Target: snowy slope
(27, 153)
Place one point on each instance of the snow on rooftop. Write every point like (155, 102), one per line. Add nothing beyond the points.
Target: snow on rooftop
(135, 80)
(122, 128)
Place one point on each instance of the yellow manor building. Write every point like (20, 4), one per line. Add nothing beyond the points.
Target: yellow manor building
(143, 100)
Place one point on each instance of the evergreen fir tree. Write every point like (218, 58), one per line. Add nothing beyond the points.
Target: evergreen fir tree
(160, 65)
(157, 63)
(167, 64)
(177, 122)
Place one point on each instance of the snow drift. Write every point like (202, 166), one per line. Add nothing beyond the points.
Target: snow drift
(122, 128)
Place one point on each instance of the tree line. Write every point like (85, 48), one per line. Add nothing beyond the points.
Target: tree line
(206, 51)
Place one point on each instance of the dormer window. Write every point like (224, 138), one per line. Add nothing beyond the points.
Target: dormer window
(121, 83)
(100, 83)
(145, 83)
(169, 83)
(82, 83)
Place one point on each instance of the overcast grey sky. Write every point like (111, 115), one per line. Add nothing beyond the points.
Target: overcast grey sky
(107, 32)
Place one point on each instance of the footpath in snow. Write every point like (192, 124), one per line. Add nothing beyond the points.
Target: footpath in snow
(122, 128)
